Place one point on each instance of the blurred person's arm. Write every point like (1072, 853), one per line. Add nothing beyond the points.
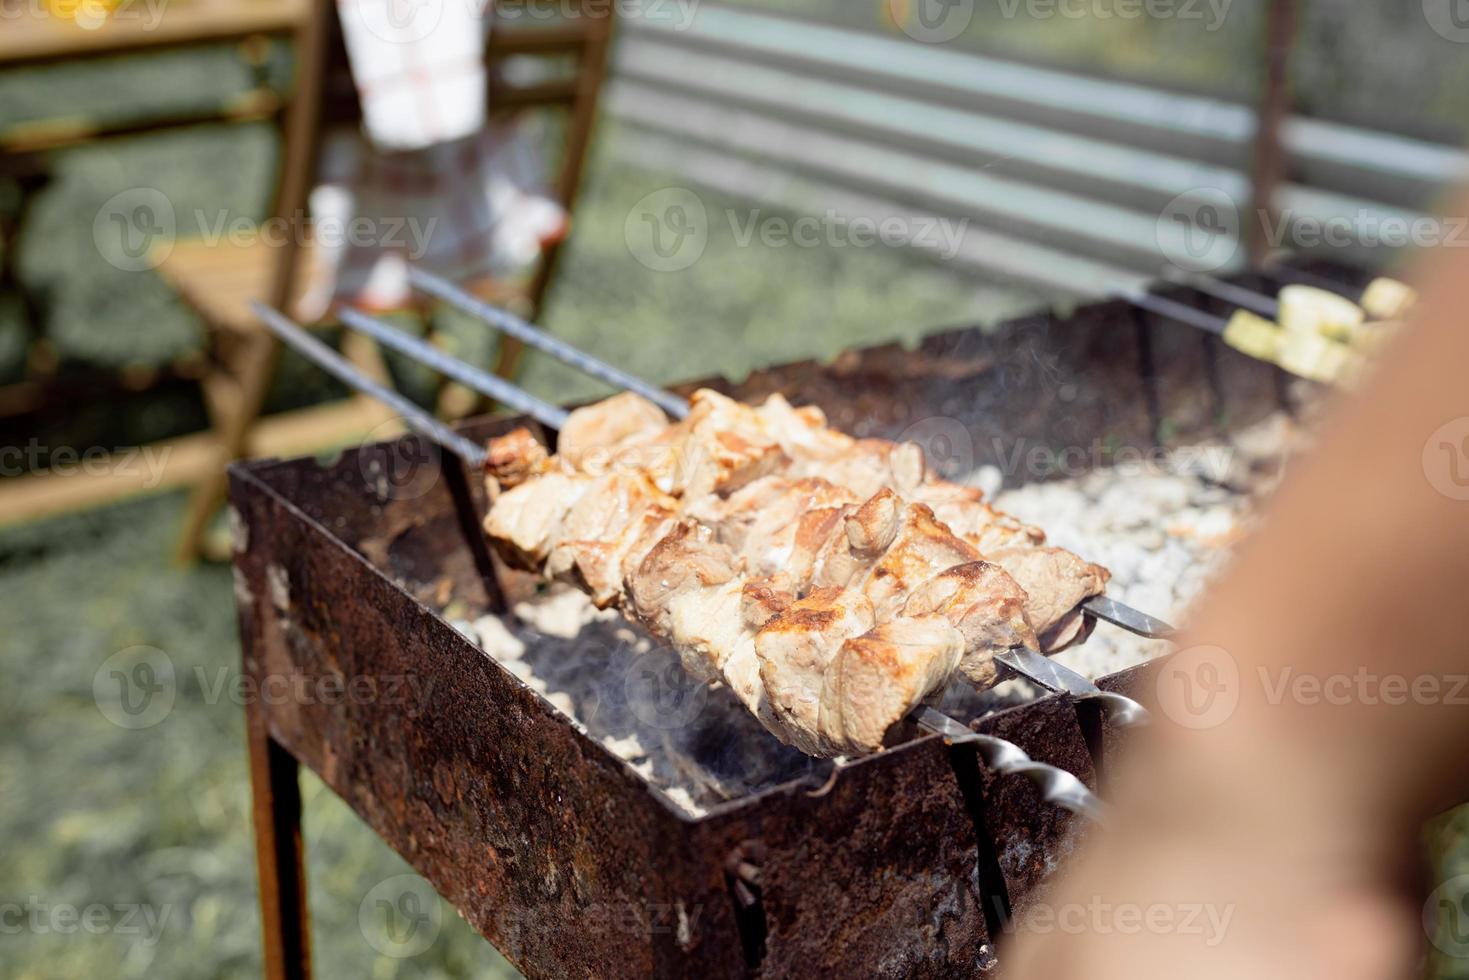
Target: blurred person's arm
(1295, 816)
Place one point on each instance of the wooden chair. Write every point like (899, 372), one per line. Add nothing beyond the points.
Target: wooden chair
(27, 148)
(219, 281)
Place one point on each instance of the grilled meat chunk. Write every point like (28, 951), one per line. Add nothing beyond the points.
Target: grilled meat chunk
(592, 434)
(515, 457)
(1056, 583)
(794, 649)
(985, 605)
(613, 515)
(525, 522)
(879, 677)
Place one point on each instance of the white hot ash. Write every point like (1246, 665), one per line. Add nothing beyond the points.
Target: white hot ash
(693, 741)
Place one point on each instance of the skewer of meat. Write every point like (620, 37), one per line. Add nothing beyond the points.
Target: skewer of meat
(831, 619)
(729, 460)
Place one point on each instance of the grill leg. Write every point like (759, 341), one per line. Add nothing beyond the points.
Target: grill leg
(279, 855)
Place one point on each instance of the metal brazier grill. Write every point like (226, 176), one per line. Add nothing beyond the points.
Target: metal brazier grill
(906, 863)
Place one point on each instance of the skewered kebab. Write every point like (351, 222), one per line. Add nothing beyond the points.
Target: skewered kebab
(1056, 785)
(1307, 330)
(748, 472)
(830, 616)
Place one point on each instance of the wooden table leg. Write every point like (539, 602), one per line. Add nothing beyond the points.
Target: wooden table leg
(279, 854)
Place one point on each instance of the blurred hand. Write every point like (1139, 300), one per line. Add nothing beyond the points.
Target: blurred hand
(1276, 885)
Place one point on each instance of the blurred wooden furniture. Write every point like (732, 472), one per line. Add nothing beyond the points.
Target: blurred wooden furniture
(556, 66)
(31, 38)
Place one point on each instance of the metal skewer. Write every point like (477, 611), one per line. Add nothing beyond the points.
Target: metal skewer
(1056, 785)
(1054, 677)
(1124, 616)
(1173, 310)
(1121, 709)
(1289, 274)
(508, 323)
(1103, 608)
(344, 371)
(1247, 299)
(510, 395)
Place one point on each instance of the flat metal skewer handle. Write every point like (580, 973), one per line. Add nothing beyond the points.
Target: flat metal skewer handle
(1173, 310)
(1227, 291)
(508, 394)
(344, 371)
(1056, 785)
(1124, 616)
(508, 323)
(1120, 709)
